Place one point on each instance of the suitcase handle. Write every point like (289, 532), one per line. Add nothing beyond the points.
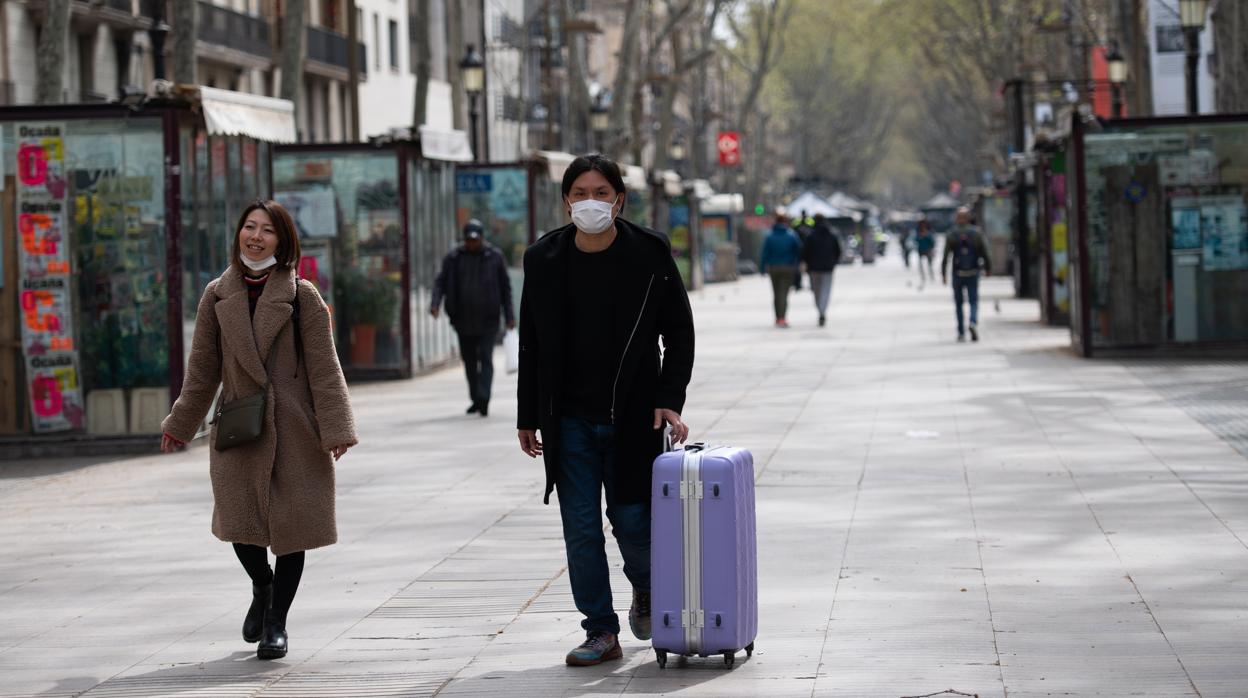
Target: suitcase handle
(696, 446)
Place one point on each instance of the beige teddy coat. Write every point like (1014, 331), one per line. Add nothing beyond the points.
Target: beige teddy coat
(277, 491)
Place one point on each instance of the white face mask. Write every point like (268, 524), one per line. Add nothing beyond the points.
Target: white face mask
(592, 216)
(258, 266)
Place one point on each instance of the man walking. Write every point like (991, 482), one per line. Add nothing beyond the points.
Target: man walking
(598, 296)
(475, 286)
(822, 251)
(780, 257)
(965, 247)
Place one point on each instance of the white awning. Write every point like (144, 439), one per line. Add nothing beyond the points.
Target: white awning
(451, 146)
(702, 189)
(723, 204)
(556, 163)
(229, 113)
(671, 183)
(635, 178)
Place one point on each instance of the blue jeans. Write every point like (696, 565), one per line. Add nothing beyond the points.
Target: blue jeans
(478, 354)
(586, 468)
(969, 287)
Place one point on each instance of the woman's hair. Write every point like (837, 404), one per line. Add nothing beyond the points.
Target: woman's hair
(924, 224)
(597, 162)
(283, 226)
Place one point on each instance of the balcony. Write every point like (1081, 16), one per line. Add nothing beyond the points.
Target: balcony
(225, 27)
(120, 6)
(330, 48)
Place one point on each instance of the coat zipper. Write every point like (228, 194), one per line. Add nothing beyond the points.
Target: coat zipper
(628, 344)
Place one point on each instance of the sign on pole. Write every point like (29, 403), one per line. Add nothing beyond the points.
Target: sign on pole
(729, 145)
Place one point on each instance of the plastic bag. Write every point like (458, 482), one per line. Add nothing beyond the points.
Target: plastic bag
(511, 348)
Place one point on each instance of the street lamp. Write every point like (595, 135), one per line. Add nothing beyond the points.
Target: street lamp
(1192, 14)
(1117, 76)
(677, 151)
(472, 72)
(599, 119)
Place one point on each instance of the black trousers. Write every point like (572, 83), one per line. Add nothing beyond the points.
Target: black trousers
(478, 354)
(285, 580)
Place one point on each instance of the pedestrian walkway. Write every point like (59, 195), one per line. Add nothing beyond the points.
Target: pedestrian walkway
(990, 518)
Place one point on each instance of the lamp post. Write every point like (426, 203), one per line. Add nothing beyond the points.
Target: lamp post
(677, 154)
(472, 72)
(1192, 14)
(599, 120)
(1117, 76)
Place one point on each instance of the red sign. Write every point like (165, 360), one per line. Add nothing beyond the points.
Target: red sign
(729, 146)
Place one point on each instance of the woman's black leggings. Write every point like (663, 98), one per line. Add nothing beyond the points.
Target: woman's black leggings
(285, 580)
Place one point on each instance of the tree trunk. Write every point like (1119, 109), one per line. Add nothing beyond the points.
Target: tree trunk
(577, 121)
(454, 52)
(1230, 22)
(617, 140)
(50, 63)
(422, 57)
(663, 139)
(291, 58)
(185, 29)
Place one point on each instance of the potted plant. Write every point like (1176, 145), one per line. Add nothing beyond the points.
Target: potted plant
(366, 301)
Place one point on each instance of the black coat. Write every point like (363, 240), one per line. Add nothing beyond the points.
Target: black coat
(822, 250)
(651, 304)
(493, 292)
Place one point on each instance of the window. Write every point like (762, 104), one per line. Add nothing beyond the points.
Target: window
(394, 45)
(376, 41)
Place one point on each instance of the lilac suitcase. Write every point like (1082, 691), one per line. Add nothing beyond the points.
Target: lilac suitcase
(704, 562)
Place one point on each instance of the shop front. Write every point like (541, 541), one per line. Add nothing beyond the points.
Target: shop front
(1053, 234)
(375, 221)
(114, 220)
(1161, 244)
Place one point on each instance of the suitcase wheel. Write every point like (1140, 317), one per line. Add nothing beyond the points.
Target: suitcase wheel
(729, 659)
(749, 650)
(661, 655)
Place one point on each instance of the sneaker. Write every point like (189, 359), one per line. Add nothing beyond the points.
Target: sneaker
(961, 338)
(472, 409)
(974, 334)
(599, 647)
(823, 320)
(639, 615)
(782, 323)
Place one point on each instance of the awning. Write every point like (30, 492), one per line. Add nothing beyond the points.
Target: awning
(635, 178)
(723, 205)
(451, 146)
(671, 183)
(556, 163)
(228, 113)
(701, 189)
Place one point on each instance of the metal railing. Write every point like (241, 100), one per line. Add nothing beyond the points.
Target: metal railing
(330, 47)
(225, 27)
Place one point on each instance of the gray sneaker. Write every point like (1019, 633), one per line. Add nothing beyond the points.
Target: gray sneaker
(639, 615)
(599, 647)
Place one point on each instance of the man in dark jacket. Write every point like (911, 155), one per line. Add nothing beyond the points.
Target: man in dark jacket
(598, 296)
(822, 251)
(967, 253)
(475, 286)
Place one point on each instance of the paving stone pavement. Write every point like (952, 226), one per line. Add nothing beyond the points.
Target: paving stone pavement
(999, 519)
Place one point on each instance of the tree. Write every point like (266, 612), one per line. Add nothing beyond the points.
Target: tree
(625, 75)
(422, 57)
(577, 121)
(1230, 27)
(291, 57)
(185, 31)
(50, 63)
(758, 46)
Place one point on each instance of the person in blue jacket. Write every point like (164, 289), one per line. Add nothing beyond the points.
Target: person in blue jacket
(781, 255)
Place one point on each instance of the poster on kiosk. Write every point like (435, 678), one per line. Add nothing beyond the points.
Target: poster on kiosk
(45, 296)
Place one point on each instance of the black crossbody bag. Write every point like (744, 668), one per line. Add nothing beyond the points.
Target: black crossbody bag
(241, 421)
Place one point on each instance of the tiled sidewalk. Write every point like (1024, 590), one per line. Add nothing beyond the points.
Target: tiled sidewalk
(988, 518)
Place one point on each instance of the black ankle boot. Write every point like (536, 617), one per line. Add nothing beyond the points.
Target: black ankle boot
(253, 625)
(273, 644)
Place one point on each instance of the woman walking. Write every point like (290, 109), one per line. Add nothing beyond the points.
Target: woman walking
(781, 255)
(925, 243)
(261, 331)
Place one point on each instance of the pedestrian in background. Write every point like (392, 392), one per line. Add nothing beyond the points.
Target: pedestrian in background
(822, 252)
(965, 248)
(906, 245)
(474, 286)
(802, 225)
(261, 330)
(925, 245)
(598, 296)
(780, 257)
